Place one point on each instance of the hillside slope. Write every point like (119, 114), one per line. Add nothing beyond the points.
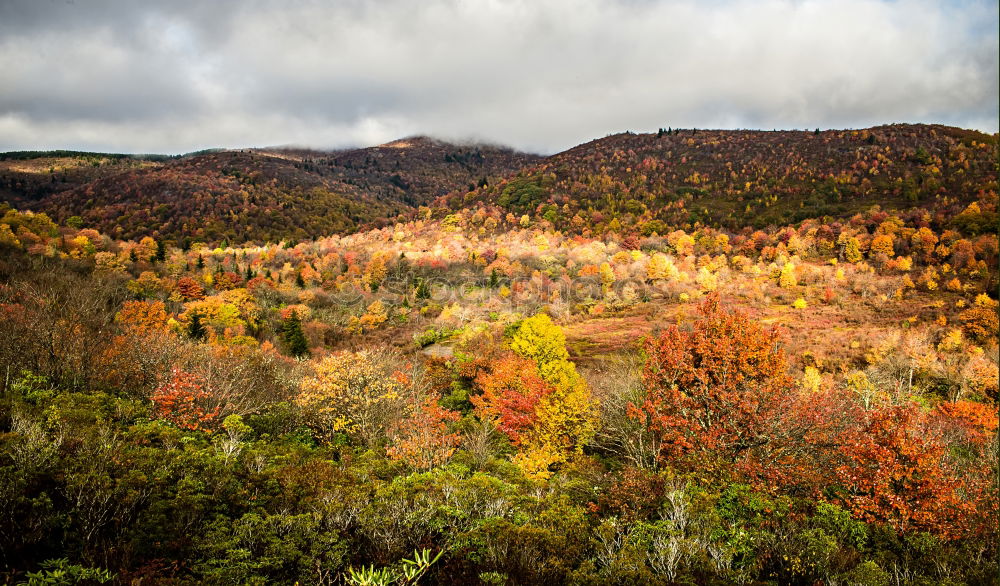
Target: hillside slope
(30, 176)
(252, 195)
(733, 178)
(625, 183)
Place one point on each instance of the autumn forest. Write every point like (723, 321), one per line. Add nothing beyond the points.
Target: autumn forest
(683, 357)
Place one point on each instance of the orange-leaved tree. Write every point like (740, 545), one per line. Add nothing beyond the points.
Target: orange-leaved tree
(189, 290)
(716, 389)
(980, 323)
(184, 401)
(511, 390)
(143, 317)
(422, 439)
(969, 429)
(896, 474)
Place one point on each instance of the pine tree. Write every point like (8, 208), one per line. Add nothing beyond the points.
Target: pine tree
(161, 251)
(196, 330)
(292, 336)
(423, 291)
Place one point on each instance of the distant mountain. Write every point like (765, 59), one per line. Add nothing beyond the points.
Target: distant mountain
(627, 183)
(413, 170)
(30, 176)
(735, 178)
(252, 195)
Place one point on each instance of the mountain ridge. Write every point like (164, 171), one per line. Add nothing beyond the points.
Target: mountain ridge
(675, 178)
(268, 194)
(625, 182)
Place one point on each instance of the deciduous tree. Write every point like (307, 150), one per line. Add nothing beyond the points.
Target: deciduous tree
(895, 474)
(355, 393)
(715, 388)
(184, 401)
(422, 439)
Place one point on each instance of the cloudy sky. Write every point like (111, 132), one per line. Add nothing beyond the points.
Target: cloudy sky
(180, 75)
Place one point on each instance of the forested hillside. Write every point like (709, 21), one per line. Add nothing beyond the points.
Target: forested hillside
(736, 178)
(30, 176)
(251, 195)
(489, 390)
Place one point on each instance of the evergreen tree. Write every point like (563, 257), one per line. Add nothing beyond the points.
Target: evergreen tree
(161, 251)
(423, 291)
(196, 330)
(292, 336)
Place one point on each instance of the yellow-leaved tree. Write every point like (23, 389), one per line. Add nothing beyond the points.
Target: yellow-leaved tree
(566, 416)
(354, 393)
(375, 316)
(786, 278)
(376, 270)
(540, 340)
(607, 277)
(661, 267)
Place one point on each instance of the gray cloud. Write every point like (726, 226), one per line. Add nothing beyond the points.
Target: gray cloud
(181, 75)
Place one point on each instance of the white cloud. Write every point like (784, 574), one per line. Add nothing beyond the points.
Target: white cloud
(541, 76)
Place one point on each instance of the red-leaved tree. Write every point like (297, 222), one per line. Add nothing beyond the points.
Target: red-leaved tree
(715, 390)
(895, 474)
(511, 389)
(184, 401)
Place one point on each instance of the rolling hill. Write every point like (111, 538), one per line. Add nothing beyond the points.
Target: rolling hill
(627, 183)
(256, 195)
(736, 178)
(818, 399)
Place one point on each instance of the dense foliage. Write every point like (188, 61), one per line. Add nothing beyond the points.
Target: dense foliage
(248, 196)
(646, 183)
(476, 397)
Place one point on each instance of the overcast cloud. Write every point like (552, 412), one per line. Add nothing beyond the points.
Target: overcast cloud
(178, 75)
